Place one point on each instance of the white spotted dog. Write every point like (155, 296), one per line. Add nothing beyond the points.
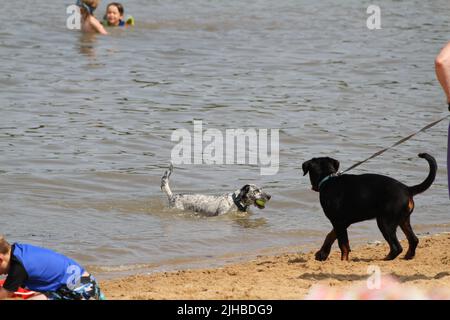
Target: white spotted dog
(211, 205)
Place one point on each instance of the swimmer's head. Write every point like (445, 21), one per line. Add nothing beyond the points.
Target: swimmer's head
(114, 13)
(88, 6)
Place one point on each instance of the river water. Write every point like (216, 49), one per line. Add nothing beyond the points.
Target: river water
(86, 121)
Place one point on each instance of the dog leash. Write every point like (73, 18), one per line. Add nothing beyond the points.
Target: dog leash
(395, 144)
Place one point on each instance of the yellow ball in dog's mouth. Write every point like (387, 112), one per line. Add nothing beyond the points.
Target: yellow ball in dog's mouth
(260, 202)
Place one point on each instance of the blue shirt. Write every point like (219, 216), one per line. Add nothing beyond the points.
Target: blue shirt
(47, 270)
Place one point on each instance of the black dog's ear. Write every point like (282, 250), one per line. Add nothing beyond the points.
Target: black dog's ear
(306, 166)
(335, 164)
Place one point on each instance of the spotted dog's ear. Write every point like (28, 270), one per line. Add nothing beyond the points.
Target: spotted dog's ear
(244, 190)
(306, 166)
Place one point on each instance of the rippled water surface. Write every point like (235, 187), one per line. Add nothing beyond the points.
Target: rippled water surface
(86, 121)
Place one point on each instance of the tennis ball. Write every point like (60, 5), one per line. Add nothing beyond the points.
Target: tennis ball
(260, 202)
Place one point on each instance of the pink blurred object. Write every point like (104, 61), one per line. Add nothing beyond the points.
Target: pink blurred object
(389, 289)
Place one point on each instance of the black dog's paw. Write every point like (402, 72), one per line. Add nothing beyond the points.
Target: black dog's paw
(409, 256)
(390, 257)
(393, 254)
(321, 256)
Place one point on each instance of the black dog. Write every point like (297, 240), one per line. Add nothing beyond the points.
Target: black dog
(347, 199)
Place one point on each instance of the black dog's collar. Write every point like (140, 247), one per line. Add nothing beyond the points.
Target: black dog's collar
(237, 202)
(328, 178)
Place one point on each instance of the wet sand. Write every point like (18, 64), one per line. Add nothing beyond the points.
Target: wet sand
(291, 276)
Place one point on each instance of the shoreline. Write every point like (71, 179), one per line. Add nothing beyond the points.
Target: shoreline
(111, 272)
(290, 275)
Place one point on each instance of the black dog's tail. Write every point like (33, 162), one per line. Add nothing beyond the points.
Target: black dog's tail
(429, 180)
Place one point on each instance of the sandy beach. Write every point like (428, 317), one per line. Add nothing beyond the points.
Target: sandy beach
(291, 276)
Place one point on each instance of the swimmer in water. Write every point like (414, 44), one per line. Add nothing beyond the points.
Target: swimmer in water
(114, 16)
(89, 23)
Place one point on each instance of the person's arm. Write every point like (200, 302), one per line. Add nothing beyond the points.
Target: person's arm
(442, 66)
(98, 26)
(4, 294)
(17, 275)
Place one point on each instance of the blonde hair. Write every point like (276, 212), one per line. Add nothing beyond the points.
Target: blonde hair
(5, 247)
(93, 4)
